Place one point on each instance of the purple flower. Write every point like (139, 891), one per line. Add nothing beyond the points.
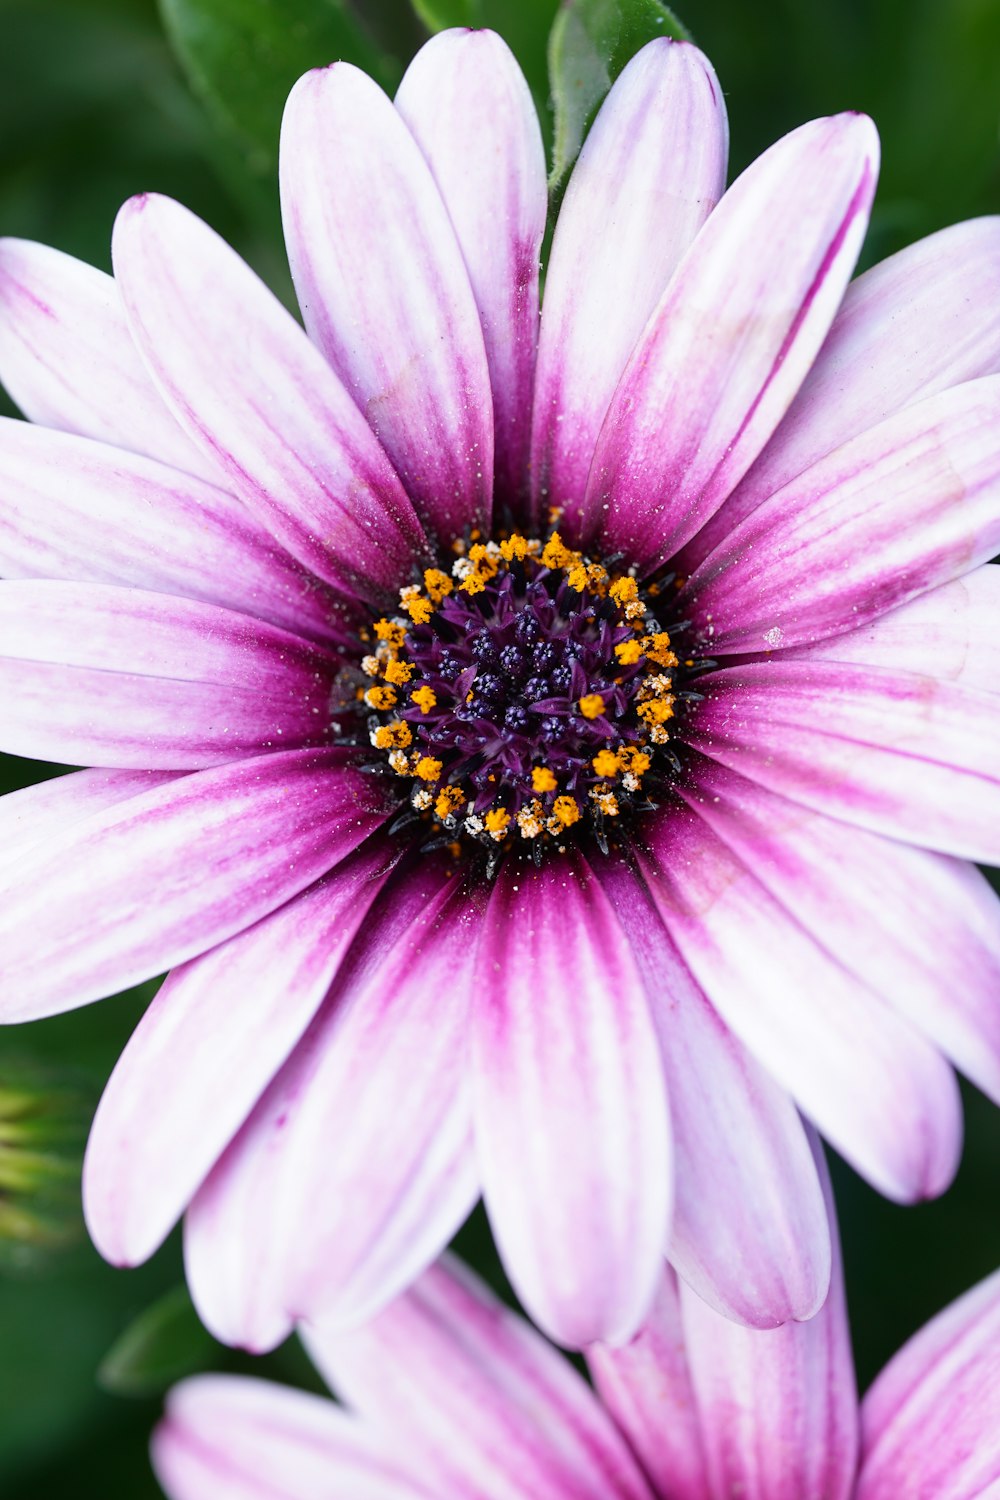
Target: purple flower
(450, 1395)
(367, 830)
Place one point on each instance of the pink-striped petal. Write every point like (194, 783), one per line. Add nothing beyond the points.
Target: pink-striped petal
(930, 1425)
(874, 1087)
(218, 1030)
(35, 814)
(778, 1409)
(910, 504)
(122, 677)
(921, 321)
(750, 1231)
(732, 338)
(952, 630)
(920, 929)
(364, 1136)
(651, 170)
(385, 293)
(646, 1386)
(901, 753)
(227, 1437)
(469, 109)
(74, 509)
(246, 384)
(481, 1405)
(572, 1130)
(67, 358)
(120, 898)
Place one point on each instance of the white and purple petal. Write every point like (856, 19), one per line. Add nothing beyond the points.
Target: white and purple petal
(80, 510)
(652, 168)
(218, 1030)
(481, 1404)
(113, 901)
(468, 107)
(126, 678)
(572, 1129)
(246, 384)
(912, 503)
(68, 359)
(732, 339)
(365, 1135)
(385, 293)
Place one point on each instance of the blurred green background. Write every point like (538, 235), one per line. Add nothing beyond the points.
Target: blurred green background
(94, 107)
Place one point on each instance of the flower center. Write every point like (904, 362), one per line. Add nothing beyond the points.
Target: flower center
(528, 694)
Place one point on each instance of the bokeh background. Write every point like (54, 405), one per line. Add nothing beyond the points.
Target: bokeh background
(94, 106)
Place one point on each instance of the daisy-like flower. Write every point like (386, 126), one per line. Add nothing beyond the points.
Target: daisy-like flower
(449, 1394)
(546, 754)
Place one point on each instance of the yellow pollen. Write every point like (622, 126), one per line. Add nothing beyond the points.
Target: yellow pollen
(427, 768)
(380, 697)
(514, 548)
(390, 632)
(449, 800)
(624, 591)
(591, 705)
(577, 578)
(656, 710)
(418, 608)
(605, 801)
(437, 584)
(555, 555)
(606, 763)
(497, 821)
(566, 810)
(393, 736)
(473, 583)
(636, 761)
(658, 650)
(425, 699)
(543, 780)
(398, 672)
(629, 652)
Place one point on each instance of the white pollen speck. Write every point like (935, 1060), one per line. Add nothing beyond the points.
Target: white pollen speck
(774, 636)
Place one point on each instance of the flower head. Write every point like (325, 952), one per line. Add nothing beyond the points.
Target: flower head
(449, 1394)
(546, 754)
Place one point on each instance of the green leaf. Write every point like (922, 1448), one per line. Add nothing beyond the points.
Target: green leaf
(242, 57)
(589, 44)
(163, 1344)
(438, 15)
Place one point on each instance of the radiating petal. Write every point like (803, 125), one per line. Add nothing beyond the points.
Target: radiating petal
(750, 1230)
(385, 293)
(67, 358)
(952, 630)
(905, 755)
(572, 1130)
(79, 510)
(122, 677)
(910, 504)
(246, 384)
(920, 929)
(226, 1437)
(646, 1386)
(35, 814)
(732, 338)
(364, 1135)
(482, 1406)
(168, 874)
(218, 1030)
(778, 1408)
(906, 329)
(470, 111)
(930, 1425)
(652, 168)
(874, 1087)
